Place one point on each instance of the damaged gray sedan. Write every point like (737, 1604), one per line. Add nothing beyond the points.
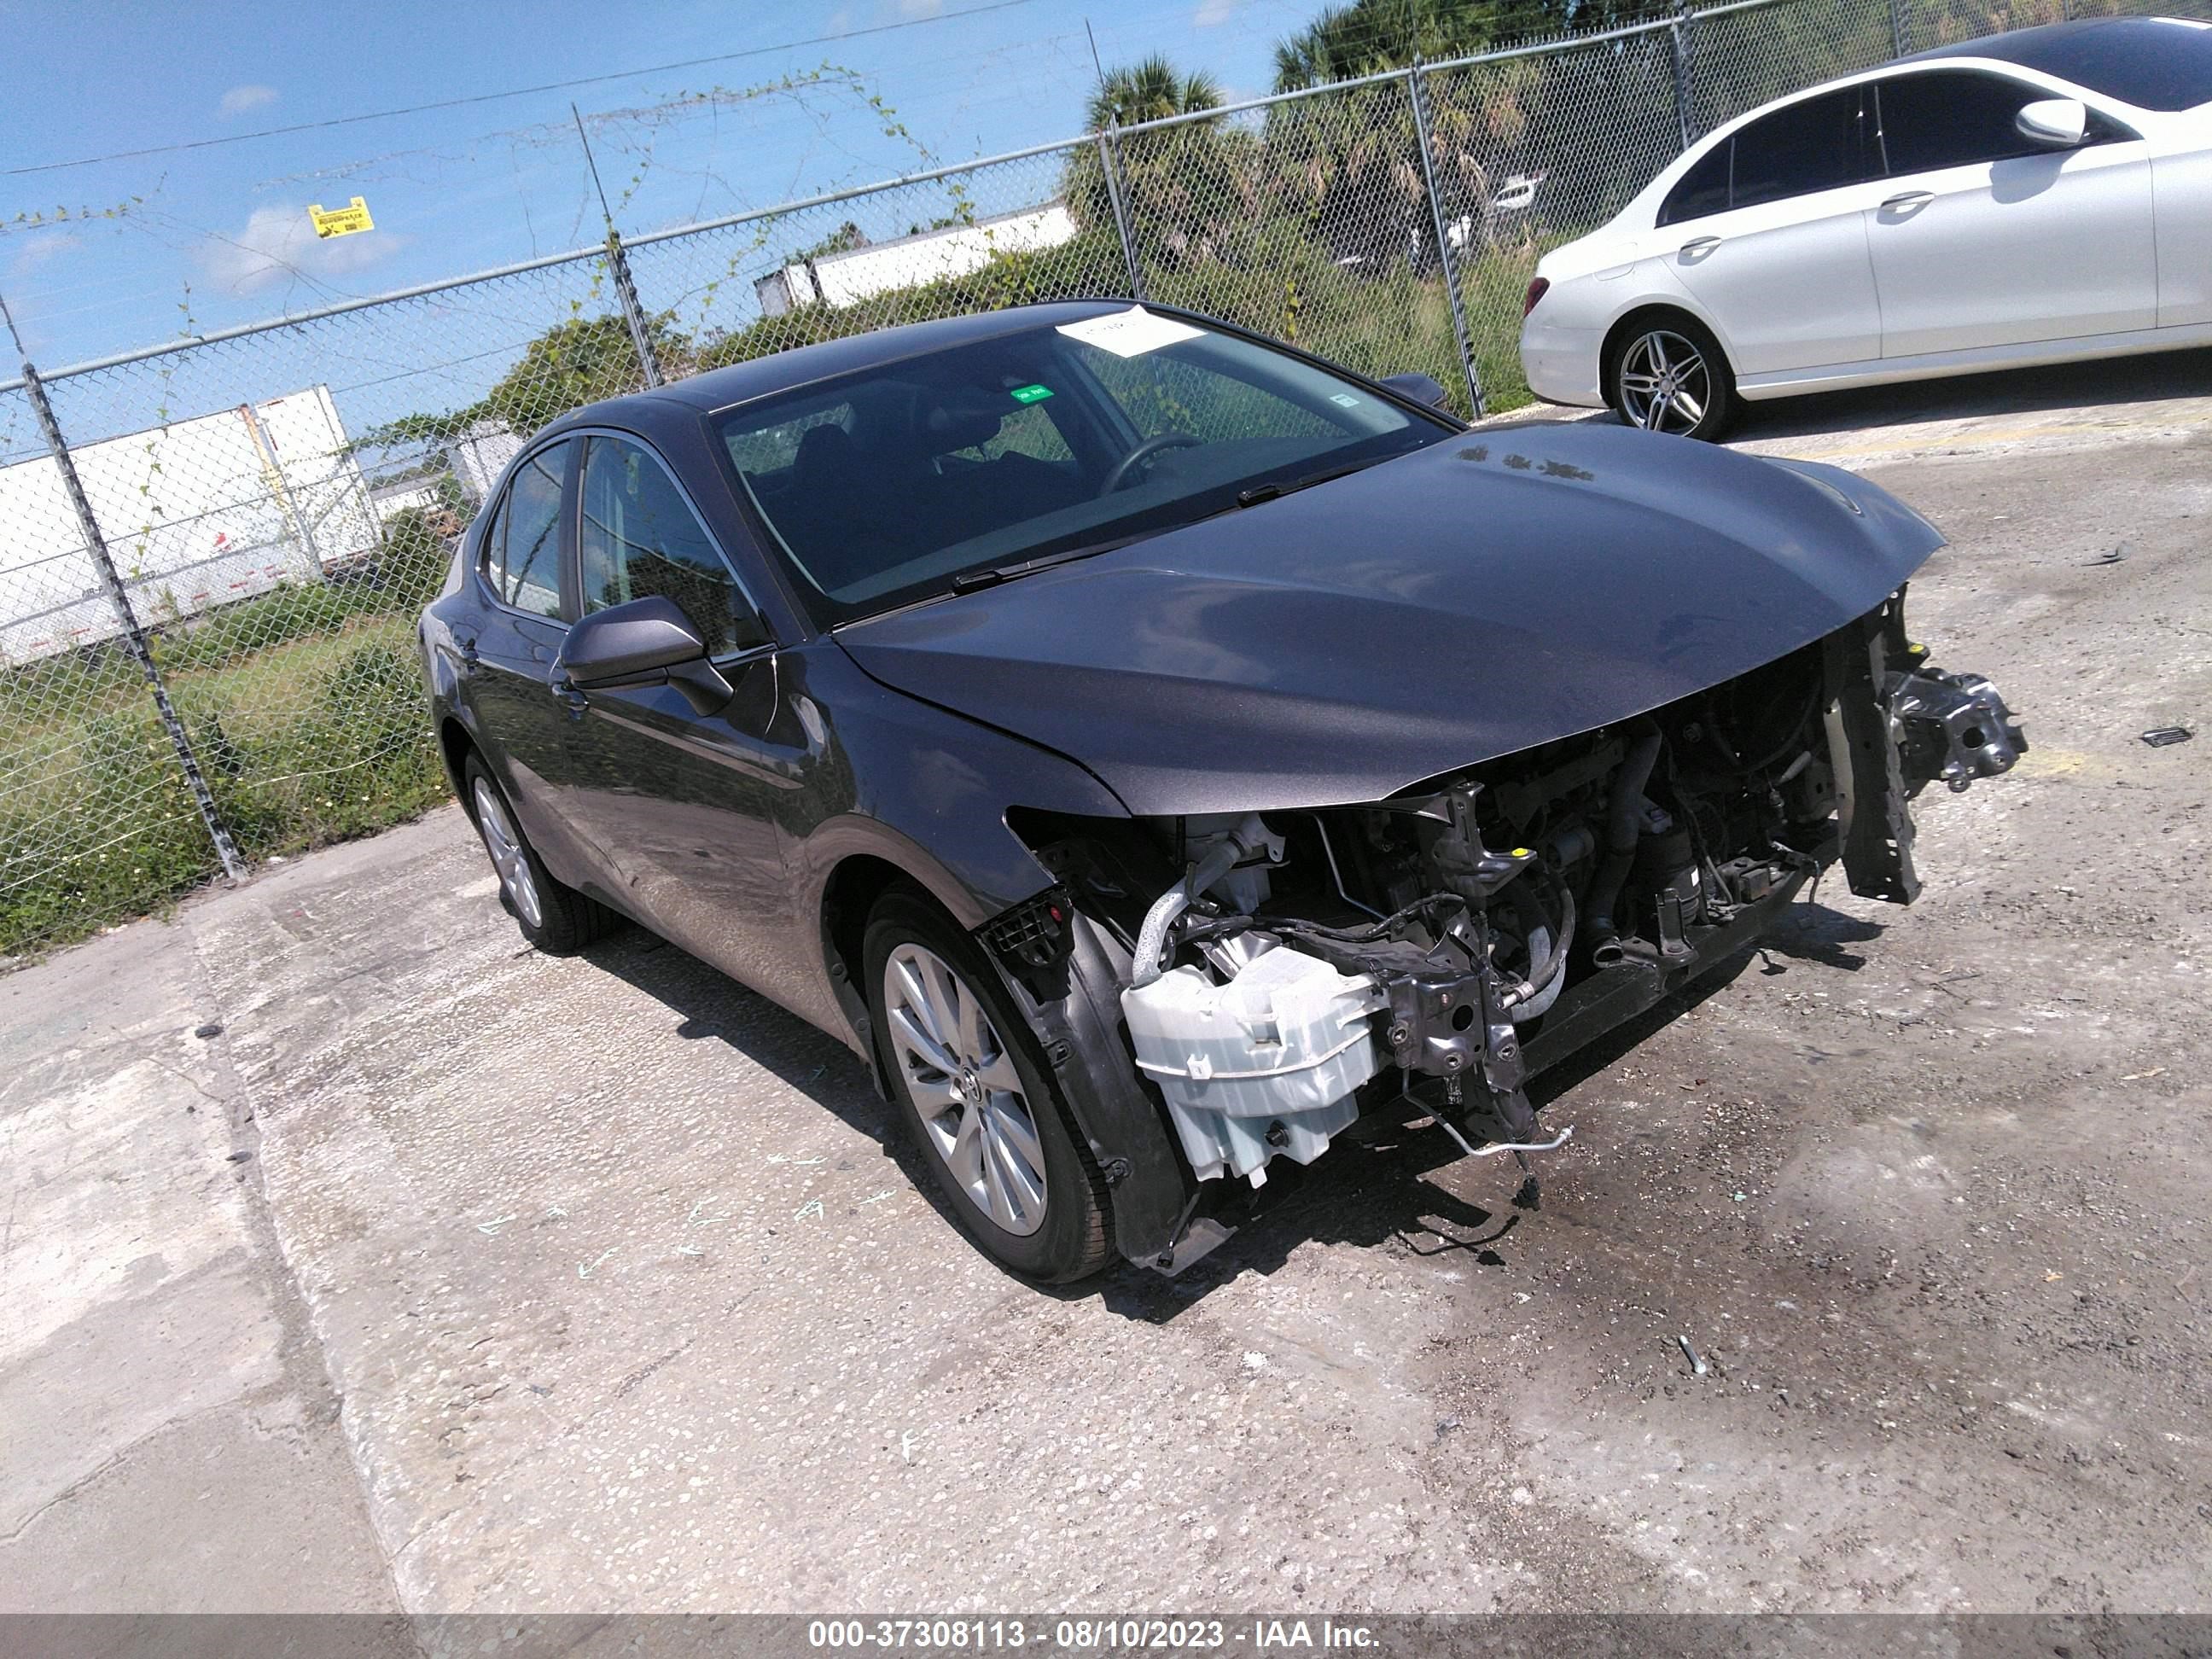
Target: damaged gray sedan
(1150, 747)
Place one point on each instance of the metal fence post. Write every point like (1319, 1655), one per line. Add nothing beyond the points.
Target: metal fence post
(95, 547)
(1897, 33)
(1110, 158)
(1684, 97)
(1444, 242)
(633, 312)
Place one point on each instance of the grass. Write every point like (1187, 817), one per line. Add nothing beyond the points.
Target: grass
(304, 707)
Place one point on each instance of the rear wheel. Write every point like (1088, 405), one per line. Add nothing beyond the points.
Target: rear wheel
(977, 1099)
(556, 919)
(1669, 375)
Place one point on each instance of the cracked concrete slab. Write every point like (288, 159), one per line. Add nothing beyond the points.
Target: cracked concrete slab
(172, 1437)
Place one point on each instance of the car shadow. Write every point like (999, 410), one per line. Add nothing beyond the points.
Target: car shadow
(2113, 380)
(712, 1007)
(2005, 392)
(1813, 932)
(1369, 1192)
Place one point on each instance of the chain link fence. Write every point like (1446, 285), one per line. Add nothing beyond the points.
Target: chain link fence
(216, 549)
(213, 660)
(1009, 231)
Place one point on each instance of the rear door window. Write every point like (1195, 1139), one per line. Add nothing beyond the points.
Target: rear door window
(1703, 190)
(522, 546)
(1822, 144)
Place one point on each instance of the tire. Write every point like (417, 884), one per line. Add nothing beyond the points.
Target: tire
(558, 920)
(983, 1113)
(1667, 373)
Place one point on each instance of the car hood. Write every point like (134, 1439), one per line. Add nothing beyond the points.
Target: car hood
(1498, 590)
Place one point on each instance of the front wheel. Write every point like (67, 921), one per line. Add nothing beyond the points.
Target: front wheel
(977, 1099)
(1671, 375)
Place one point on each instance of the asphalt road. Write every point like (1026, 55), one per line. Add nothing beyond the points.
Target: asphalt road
(601, 1283)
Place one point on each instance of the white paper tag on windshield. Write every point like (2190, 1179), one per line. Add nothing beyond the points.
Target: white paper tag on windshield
(1130, 333)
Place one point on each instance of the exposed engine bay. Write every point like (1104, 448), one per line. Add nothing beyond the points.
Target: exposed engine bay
(1287, 970)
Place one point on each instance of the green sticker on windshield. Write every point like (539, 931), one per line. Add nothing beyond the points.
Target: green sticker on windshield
(1030, 394)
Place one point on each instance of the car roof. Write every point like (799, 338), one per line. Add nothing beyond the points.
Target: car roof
(783, 371)
(2065, 50)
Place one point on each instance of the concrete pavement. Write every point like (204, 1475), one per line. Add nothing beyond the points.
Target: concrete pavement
(601, 1283)
(172, 1433)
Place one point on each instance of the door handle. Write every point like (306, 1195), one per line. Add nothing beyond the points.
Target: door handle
(1697, 245)
(1909, 198)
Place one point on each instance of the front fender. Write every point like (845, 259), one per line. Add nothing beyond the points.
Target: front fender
(927, 793)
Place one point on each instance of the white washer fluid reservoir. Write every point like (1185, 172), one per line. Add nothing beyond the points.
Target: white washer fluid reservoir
(1264, 1064)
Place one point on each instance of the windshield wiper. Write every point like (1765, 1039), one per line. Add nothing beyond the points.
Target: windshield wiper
(1275, 488)
(968, 581)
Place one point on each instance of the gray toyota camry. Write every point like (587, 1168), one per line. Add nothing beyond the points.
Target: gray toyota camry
(1148, 747)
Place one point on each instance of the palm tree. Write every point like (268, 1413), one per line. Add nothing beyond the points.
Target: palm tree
(1183, 186)
(1370, 35)
(1150, 91)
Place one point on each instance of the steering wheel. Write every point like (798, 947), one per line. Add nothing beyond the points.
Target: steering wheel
(1145, 452)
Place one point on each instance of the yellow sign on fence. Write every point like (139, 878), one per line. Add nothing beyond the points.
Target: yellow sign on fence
(341, 221)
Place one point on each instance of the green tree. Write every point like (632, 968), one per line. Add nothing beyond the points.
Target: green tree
(1350, 158)
(1370, 35)
(577, 362)
(1185, 187)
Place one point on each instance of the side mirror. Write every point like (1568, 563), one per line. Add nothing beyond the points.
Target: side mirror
(2054, 123)
(648, 641)
(1421, 388)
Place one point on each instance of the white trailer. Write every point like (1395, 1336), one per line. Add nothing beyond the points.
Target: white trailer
(479, 456)
(195, 514)
(929, 256)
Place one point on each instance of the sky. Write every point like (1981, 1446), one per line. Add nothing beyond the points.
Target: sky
(211, 227)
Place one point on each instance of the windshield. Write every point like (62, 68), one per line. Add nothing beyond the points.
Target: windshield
(885, 485)
(2161, 63)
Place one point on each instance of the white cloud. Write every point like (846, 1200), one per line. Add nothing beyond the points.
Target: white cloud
(239, 100)
(278, 244)
(42, 248)
(1212, 14)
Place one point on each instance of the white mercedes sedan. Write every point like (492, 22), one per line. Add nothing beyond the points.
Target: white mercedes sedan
(2033, 198)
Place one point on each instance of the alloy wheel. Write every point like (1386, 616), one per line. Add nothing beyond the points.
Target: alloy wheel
(504, 842)
(1666, 384)
(975, 1112)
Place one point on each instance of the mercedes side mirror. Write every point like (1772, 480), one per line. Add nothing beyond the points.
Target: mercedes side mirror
(648, 641)
(2054, 123)
(1420, 388)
